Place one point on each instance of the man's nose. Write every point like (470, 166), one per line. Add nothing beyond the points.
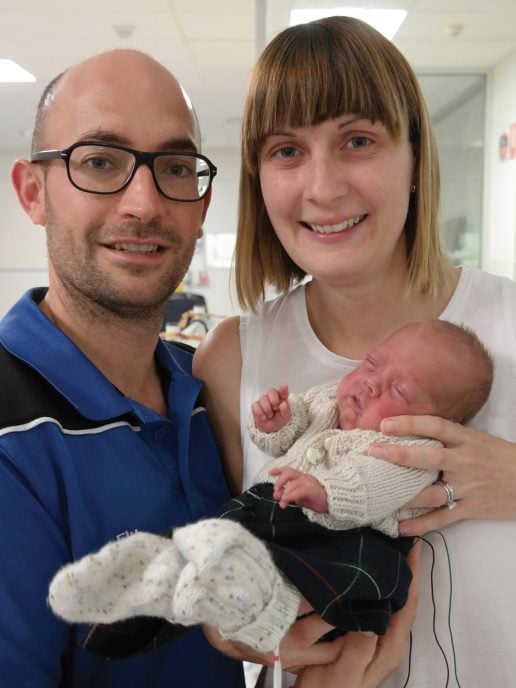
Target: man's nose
(140, 198)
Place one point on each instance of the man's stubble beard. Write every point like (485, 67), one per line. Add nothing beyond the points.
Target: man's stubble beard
(94, 290)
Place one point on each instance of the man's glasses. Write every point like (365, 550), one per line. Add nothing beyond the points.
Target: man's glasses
(104, 168)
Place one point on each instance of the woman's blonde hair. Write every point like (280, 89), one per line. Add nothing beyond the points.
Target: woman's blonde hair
(306, 75)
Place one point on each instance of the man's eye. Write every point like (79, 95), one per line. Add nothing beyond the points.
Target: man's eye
(178, 169)
(97, 163)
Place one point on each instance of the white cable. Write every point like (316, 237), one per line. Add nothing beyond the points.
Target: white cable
(276, 677)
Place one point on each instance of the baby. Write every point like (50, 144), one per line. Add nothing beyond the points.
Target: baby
(329, 513)
(432, 368)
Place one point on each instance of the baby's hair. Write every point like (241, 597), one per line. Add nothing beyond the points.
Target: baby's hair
(475, 361)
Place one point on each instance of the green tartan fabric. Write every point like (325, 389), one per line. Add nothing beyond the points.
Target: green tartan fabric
(354, 579)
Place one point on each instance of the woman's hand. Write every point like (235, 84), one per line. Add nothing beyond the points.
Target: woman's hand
(364, 659)
(299, 648)
(356, 660)
(480, 468)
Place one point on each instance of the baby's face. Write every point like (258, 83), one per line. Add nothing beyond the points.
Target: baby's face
(401, 376)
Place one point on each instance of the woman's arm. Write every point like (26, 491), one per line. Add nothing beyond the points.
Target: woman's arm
(480, 468)
(355, 660)
(365, 660)
(218, 363)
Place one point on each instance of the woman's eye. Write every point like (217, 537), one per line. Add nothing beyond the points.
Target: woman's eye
(286, 152)
(358, 142)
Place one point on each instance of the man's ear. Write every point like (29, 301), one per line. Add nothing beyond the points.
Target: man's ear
(28, 184)
(206, 204)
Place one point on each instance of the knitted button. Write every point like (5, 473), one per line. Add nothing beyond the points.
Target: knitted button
(327, 443)
(314, 456)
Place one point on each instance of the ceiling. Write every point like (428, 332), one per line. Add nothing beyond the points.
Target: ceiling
(211, 45)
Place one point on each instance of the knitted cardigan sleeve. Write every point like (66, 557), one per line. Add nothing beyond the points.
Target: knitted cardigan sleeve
(362, 490)
(302, 409)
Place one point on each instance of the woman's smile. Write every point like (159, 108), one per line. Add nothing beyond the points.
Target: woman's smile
(334, 228)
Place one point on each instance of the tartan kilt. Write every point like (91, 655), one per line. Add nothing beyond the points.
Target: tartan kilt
(354, 579)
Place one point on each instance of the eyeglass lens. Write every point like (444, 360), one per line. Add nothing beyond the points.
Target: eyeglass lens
(103, 169)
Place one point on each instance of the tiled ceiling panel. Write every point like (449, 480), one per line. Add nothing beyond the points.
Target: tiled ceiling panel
(212, 44)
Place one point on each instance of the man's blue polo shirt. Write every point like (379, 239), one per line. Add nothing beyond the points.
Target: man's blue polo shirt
(81, 464)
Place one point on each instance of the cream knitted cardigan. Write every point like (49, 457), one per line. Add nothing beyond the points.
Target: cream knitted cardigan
(361, 490)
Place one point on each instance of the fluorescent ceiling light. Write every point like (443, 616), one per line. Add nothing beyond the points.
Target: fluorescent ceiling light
(10, 72)
(386, 22)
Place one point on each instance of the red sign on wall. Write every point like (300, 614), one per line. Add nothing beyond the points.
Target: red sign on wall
(507, 144)
(512, 141)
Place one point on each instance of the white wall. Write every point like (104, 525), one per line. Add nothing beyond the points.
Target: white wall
(459, 132)
(221, 218)
(499, 245)
(22, 245)
(23, 261)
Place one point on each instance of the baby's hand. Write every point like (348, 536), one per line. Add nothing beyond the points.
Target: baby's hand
(272, 412)
(301, 488)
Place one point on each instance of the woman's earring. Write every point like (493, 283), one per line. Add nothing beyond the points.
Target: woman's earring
(413, 188)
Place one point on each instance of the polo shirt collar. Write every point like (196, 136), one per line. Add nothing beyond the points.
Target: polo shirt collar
(28, 334)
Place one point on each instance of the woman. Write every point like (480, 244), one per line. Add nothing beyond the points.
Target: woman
(340, 182)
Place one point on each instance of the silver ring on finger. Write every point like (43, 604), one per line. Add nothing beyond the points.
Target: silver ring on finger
(449, 492)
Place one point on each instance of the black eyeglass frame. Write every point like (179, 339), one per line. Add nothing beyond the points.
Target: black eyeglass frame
(140, 158)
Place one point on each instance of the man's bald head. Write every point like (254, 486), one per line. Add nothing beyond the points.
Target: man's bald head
(132, 62)
(44, 105)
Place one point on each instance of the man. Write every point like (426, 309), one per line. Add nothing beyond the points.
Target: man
(100, 432)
